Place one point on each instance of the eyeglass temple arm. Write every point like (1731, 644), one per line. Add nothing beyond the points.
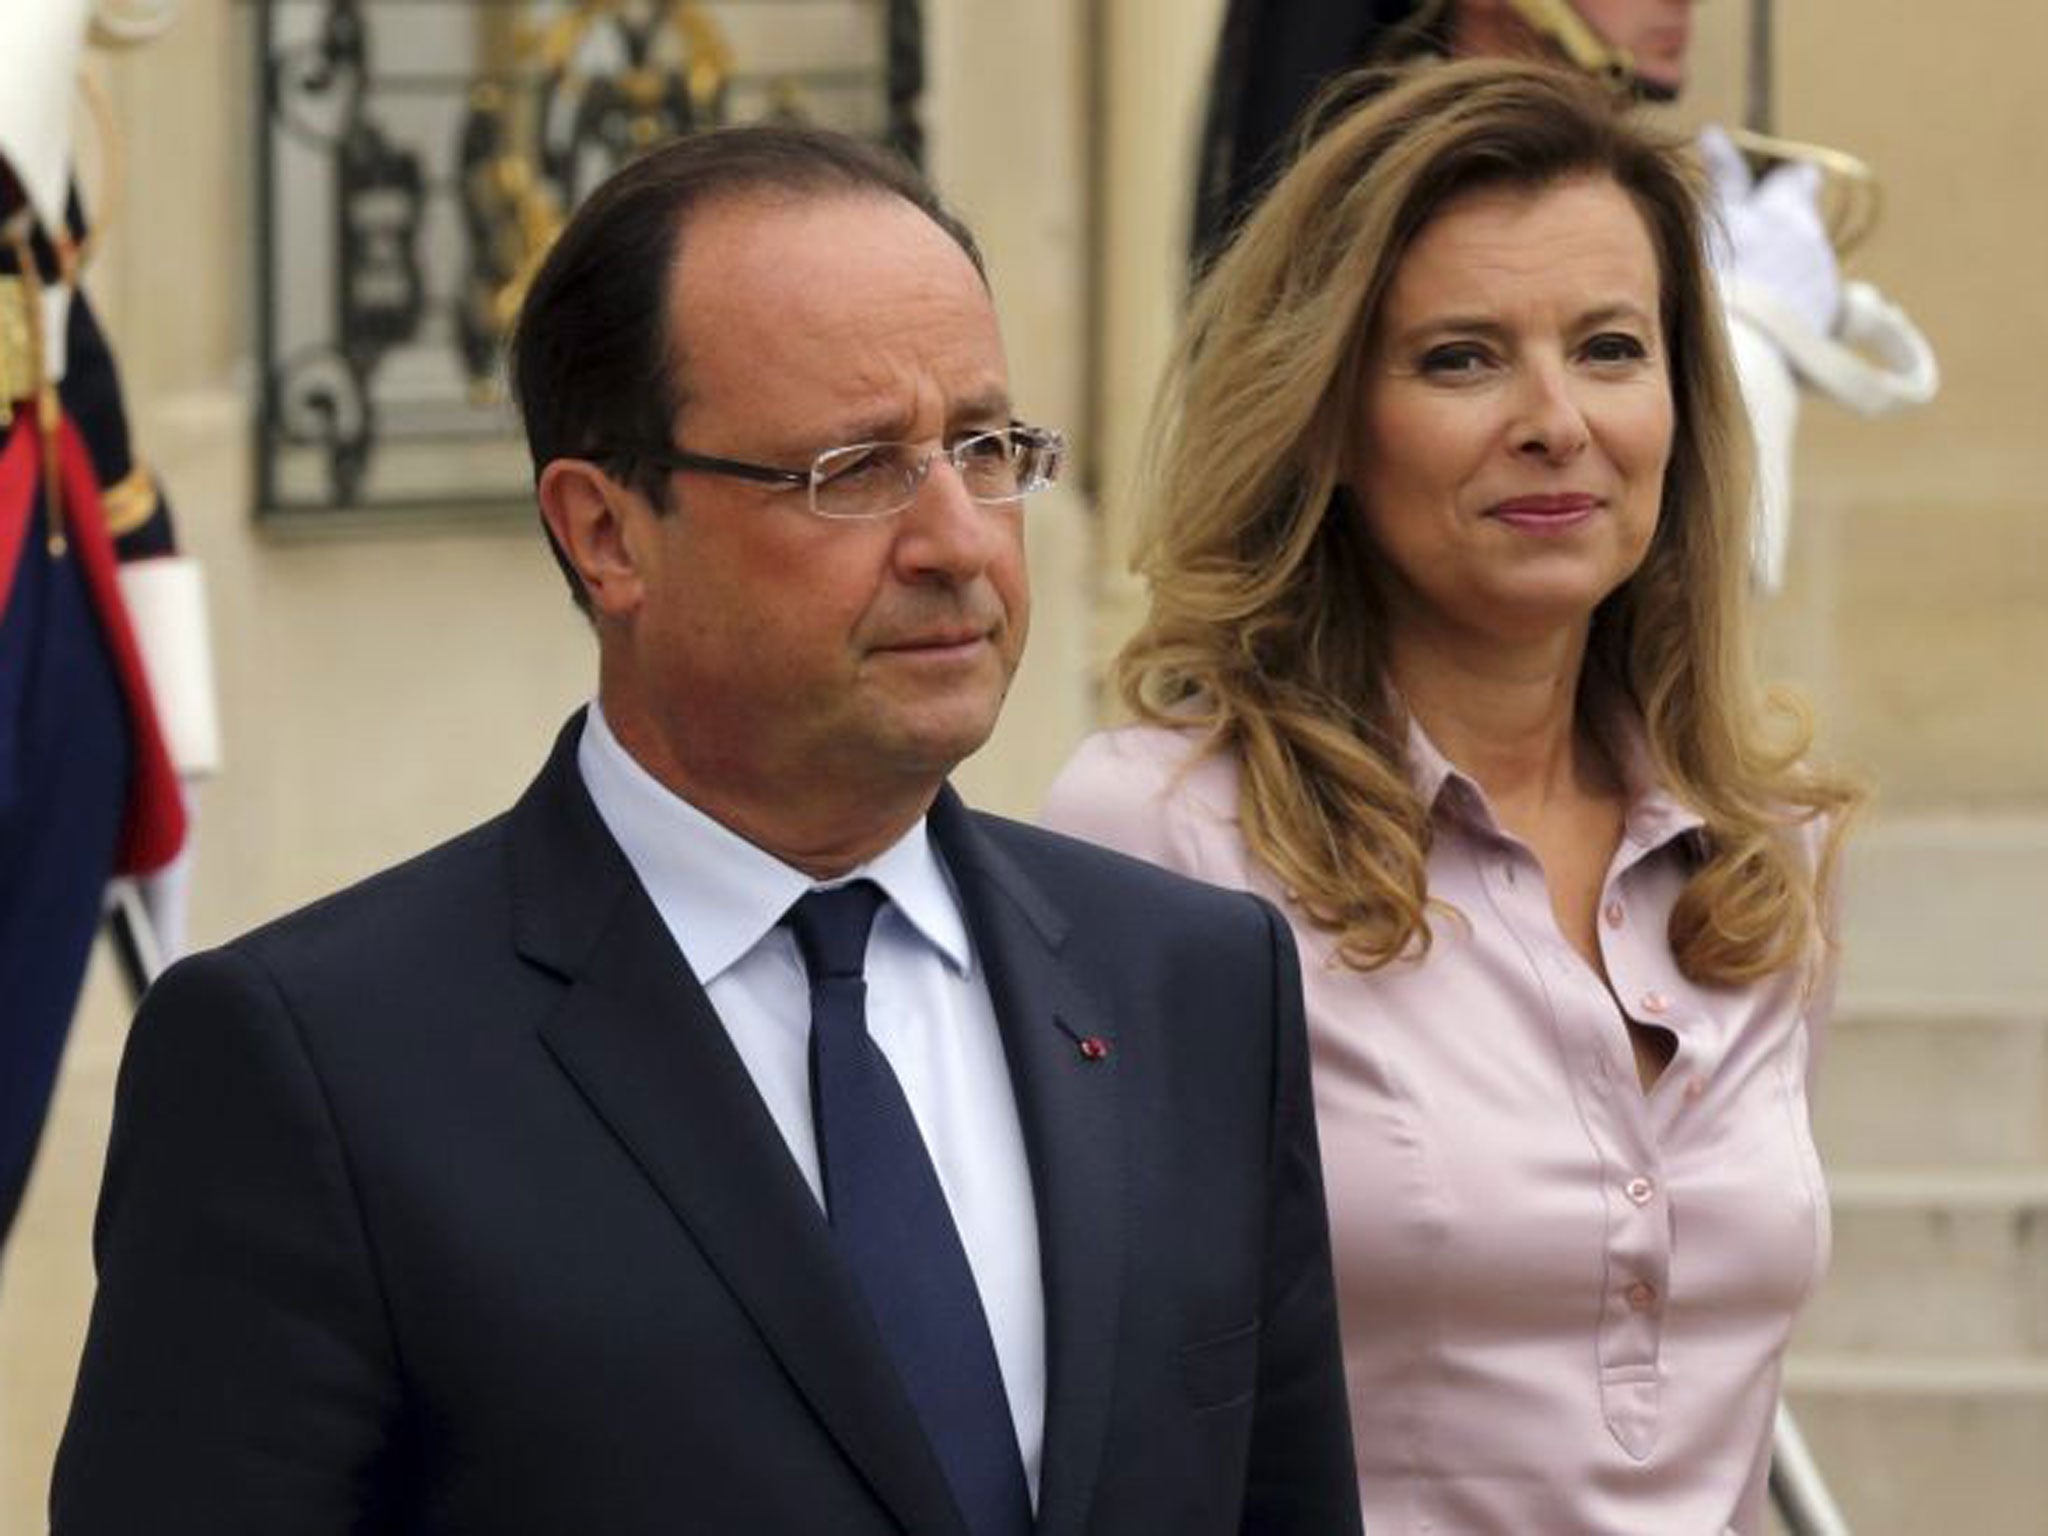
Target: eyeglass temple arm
(764, 473)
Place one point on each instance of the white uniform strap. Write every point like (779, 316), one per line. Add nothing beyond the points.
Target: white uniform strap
(1876, 362)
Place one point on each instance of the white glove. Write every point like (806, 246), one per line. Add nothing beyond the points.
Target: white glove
(165, 596)
(1776, 241)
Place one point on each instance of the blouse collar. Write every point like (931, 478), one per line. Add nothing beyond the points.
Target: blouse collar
(1654, 816)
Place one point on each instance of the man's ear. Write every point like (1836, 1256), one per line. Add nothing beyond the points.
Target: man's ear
(587, 512)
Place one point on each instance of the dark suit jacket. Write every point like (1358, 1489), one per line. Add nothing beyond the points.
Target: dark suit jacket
(445, 1205)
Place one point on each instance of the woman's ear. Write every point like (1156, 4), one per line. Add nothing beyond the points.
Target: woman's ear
(588, 513)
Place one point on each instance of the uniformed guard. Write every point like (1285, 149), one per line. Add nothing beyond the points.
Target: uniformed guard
(89, 787)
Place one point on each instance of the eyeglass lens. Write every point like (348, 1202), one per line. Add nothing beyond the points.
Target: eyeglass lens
(873, 479)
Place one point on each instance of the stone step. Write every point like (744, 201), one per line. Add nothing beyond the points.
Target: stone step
(1943, 1446)
(1903, 1084)
(1919, 1374)
(1935, 1264)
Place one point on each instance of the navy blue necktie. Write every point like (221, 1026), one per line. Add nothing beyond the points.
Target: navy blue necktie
(891, 1224)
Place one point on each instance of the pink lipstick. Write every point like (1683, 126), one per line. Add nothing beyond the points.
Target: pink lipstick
(1546, 514)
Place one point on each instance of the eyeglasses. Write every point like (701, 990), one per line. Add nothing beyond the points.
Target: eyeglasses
(870, 480)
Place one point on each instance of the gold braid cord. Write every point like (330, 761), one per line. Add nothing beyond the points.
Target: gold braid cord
(17, 323)
(41, 387)
(107, 206)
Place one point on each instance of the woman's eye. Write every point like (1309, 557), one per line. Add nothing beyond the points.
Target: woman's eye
(1616, 347)
(1458, 358)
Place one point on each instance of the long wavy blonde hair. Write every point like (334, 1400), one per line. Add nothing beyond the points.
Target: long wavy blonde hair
(1266, 629)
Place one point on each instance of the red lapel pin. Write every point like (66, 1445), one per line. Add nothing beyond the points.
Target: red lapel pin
(1094, 1048)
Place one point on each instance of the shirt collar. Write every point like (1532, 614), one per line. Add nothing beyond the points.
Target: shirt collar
(719, 894)
(1655, 816)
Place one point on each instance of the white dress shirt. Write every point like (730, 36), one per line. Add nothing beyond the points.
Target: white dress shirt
(928, 1009)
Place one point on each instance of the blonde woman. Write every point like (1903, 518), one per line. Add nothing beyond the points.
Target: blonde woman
(1446, 655)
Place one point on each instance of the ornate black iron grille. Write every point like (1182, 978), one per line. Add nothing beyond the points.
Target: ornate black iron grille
(416, 156)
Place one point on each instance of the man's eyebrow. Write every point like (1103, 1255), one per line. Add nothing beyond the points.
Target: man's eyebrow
(884, 425)
(990, 405)
(984, 408)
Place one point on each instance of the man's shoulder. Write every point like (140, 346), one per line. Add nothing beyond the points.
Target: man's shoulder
(1150, 948)
(412, 964)
(1154, 758)
(398, 915)
(451, 895)
(1162, 793)
(1068, 869)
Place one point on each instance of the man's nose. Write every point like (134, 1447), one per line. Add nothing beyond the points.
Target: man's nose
(945, 533)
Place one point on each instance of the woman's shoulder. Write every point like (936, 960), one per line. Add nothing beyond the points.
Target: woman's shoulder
(1160, 792)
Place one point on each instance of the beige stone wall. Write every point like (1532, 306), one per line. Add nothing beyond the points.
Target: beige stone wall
(381, 690)
(1928, 534)
(1154, 62)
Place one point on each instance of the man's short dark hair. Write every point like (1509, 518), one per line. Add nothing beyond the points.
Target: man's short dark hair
(591, 364)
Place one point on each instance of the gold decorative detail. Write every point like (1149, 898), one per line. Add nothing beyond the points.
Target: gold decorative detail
(785, 101)
(130, 501)
(1568, 32)
(710, 57)
(506, 193)
(17, 344)
(50, 420)
(1851, 197)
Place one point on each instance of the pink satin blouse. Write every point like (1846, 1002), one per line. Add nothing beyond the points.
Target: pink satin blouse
(1564, 1299)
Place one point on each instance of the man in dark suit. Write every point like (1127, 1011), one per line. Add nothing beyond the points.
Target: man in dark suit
(739, 1135)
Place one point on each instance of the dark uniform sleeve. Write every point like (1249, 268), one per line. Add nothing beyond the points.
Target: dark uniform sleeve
(138, 516)
(1302, 1479)
(238, 1376)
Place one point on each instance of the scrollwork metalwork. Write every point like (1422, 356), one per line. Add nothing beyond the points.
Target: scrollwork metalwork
(321, 400)
(532, 150)
(417, 161)
(328, 71)
(382, 293)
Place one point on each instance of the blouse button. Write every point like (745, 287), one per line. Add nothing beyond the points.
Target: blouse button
(1614, 914)
(1655, 1002)
(1642, 1296)
(1695, 1086)
(1639, 1190)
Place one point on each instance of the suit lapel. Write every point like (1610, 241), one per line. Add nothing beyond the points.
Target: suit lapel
(642, 1044)
(1073, 1135)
